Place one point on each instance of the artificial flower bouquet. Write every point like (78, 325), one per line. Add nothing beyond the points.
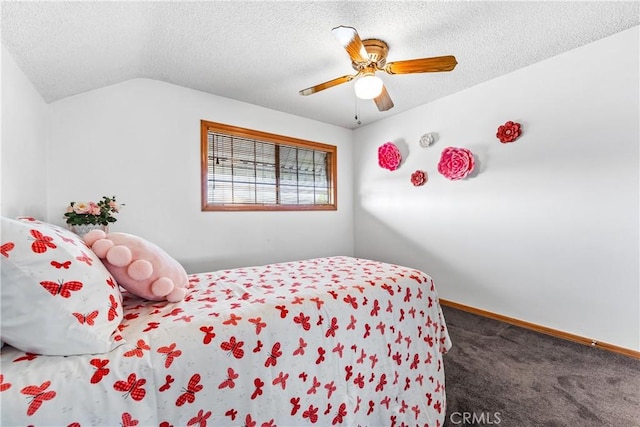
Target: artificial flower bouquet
(100, 213)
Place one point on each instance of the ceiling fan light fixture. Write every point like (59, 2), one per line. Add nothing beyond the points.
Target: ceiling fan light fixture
(368, 86)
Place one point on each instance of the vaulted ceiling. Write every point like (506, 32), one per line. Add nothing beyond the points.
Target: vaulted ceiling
(264, 52)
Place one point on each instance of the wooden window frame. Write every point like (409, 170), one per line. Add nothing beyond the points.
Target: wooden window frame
(279, 140)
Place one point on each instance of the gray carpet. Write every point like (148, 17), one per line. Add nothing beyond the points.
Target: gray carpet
(500, 374)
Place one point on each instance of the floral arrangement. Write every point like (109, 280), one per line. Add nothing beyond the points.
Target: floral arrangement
(418, 178)
(389, 156)
(508, 132)
(100, 213)
(456, 163)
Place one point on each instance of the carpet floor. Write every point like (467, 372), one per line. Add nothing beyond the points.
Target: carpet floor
(500, 374)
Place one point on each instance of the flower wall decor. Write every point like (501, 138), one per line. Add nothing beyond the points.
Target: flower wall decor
(456, 163)
(508, 132)
(419, 178)
(100, 213)
(389, 156)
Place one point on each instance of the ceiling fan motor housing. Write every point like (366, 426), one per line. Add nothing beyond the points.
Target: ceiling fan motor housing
(377, 51)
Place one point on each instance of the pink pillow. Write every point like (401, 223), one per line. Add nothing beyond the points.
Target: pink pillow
(57, 298)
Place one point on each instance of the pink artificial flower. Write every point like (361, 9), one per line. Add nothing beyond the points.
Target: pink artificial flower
(113, 206)
(418, 178)
(389, 156)
(81, 207)
(456, 163)
(508, 132)
(94, 209)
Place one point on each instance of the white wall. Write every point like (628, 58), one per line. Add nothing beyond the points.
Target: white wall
(24, 144)
(140, 141)
(547, 231)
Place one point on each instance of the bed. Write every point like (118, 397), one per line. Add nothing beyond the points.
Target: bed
(326, 341)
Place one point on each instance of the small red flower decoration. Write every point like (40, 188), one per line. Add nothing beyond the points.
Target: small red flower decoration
(456, 163)
(389, 156)
(418, 178)
(508, 132)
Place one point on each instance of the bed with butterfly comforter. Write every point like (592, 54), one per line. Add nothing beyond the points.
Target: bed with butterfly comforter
(327, 341)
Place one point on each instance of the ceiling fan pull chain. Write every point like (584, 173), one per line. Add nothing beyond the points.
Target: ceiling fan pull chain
(356, 108)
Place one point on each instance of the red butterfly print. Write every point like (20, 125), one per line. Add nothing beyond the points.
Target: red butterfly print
(295, 401)
(342, 412)
(128, 421)
(86, 318)
(359, 380)
(283, 311)
(233, 347)
(311, 413)
(208, 334)
(39, 396)
(113, 308)
(382, 382)
(258, 391)
(200, 419)
(233, 320)
(232, 413)
(321, 352)
(258, 347)
(376, 308)
(229, 382)
(59, 265)
(111, 282)
(333, 328)
(189, 394)
(101, 371)
(330, 387)
(259, 324)
(139, 350)
(300, 349)
(27, 356)
(248, 422)
(272, 359)
(5, 248)
(329, 406)
(42, 242)
(314, 386)
(4, 386)
(132, 387)
(281, 379)
(85, 258)
(167, 384)
(303, 320)
(351, 300)
(371, 406)
(171, 353)
(62, 289)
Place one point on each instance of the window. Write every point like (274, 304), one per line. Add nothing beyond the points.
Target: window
(244, 169)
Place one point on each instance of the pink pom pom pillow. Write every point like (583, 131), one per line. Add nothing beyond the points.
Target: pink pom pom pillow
(57, 298)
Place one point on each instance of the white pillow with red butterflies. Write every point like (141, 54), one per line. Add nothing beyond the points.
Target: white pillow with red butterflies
(57, 298)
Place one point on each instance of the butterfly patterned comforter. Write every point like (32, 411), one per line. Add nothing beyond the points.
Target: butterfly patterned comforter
(327, 341)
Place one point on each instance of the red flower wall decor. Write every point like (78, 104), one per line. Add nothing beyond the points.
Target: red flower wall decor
(508, 132)
(419, 178)
(456, 163)
(389, 156)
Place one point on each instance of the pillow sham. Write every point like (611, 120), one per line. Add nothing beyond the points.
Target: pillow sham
(56, 296)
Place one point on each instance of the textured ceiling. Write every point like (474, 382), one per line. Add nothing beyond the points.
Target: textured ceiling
(264, 52)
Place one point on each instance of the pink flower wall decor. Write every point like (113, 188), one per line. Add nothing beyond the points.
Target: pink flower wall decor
(456, 163)
(508, 132)
(389, 156)
(419, 178)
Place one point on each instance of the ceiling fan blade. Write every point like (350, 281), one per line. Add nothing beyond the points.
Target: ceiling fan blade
(383, 101)
(350, 40)
(422, 65)
(327, 85)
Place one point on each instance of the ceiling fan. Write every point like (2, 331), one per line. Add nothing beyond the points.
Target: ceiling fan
(370, 55)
